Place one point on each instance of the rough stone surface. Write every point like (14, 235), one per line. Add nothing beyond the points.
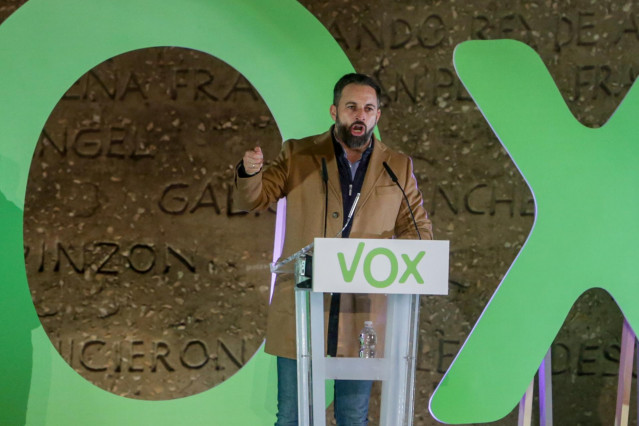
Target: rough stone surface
(145, 277)
(137, 159)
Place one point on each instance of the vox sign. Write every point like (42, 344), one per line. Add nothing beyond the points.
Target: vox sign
(380, 266)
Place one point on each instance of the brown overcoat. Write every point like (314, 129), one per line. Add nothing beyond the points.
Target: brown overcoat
(381, 213)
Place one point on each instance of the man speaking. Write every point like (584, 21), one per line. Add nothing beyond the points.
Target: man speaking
(321, 177)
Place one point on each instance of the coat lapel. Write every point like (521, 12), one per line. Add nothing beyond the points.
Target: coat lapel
(324, 149)
(374, 172)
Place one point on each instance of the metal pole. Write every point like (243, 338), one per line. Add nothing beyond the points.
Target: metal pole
(413, 343)
(625, 374)
(525, 406)
(304, 379)
(545, 390)
(397, 403)
(318, 360)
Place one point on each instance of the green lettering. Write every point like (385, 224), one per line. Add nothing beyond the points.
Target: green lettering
(381, 251)
(349, 273)
(411, 268)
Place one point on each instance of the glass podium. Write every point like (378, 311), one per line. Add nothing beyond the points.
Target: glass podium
(396, 369)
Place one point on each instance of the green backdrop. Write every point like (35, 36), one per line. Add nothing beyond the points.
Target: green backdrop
(581, 237)
(45, 46)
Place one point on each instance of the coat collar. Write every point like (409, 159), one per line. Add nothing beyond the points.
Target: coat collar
(323, 148)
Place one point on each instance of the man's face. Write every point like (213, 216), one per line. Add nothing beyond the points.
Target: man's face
(356, 115)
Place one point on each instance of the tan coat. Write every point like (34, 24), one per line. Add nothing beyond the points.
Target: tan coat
(381, 213)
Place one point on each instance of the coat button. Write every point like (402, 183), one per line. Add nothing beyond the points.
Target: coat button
(335, 215)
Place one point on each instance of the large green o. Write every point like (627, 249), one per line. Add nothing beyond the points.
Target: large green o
(392, 273)
(44, 47)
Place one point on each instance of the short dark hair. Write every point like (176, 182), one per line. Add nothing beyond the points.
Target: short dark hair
(354, 78)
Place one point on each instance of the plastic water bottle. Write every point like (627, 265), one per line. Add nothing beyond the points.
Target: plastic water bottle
(367, 340)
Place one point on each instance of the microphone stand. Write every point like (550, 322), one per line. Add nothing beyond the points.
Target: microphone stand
(287, 266)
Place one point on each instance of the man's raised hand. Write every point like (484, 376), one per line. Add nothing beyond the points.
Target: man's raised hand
(253, 160)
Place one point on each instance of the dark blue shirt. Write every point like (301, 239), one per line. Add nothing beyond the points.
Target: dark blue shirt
(351, 178)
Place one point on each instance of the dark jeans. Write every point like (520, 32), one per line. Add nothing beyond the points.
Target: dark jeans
(351, 397)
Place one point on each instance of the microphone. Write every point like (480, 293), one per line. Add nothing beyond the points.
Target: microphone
(392, 175)
(350, 214)
(325, 179)
(324, 170)
(394, 179)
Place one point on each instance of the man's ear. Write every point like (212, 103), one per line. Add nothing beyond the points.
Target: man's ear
(333, 111)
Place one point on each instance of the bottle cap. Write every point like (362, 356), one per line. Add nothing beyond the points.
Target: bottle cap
(368, 323)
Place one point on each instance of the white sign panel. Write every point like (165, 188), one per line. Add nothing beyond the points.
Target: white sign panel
(349, 265)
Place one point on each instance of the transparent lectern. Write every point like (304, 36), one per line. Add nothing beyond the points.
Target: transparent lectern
(402, 269)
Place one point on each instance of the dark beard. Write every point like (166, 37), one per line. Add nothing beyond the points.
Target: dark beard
(343, 134)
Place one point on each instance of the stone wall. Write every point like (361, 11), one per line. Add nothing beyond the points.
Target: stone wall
(151, 285)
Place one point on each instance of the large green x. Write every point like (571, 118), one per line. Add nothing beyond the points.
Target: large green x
(585, 184)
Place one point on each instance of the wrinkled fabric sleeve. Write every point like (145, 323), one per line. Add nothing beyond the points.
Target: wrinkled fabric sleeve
(258, 191)
(404, 227)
